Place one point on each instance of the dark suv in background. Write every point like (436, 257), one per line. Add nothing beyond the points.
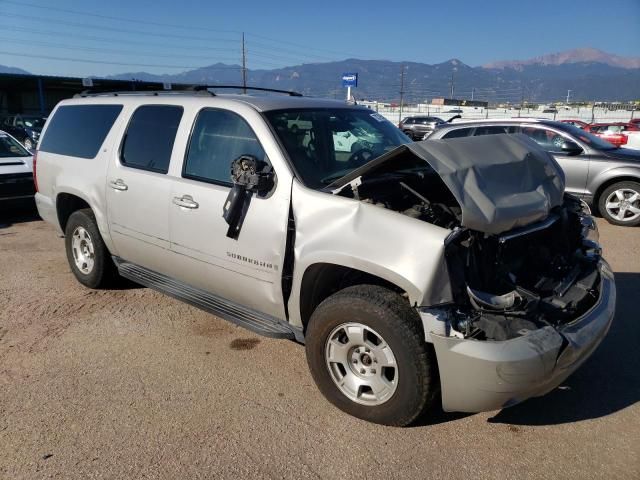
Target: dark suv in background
(26, 128)
(603, 175)
(417, 127)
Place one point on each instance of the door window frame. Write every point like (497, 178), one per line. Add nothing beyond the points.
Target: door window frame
(126, 129)
(210, 181)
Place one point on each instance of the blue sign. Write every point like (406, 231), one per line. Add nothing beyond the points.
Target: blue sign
(349, 79)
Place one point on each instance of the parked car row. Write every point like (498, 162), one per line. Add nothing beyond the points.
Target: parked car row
(616, 133)
(26, 128)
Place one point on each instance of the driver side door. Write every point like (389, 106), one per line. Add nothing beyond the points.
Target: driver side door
(246, 270)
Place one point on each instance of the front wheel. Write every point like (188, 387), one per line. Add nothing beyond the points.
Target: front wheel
(619, 204)
(367, 354)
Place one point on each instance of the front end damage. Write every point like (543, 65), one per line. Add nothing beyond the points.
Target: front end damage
(532, 297)
(529, 307)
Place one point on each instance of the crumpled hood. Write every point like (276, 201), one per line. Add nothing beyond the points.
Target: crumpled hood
(500, 181)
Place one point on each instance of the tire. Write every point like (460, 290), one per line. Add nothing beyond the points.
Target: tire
(386, 316)
(88, 256)
(409, 134)
(619, 204)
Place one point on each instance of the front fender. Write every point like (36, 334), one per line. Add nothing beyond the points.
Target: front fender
(404, 251)
(607, 175)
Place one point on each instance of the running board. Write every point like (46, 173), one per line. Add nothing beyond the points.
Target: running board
(245, 317)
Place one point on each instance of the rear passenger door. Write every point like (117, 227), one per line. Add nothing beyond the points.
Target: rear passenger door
(138, 188)
(246, 270)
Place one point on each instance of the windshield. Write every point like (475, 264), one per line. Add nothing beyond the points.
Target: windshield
(587, 138)
(326, 144)
(11, 148)
(34, 122)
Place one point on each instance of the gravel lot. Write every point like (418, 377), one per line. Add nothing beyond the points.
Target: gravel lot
(133, 384)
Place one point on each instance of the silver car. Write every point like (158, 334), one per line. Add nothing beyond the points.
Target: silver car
(605, 176)
(410, 271)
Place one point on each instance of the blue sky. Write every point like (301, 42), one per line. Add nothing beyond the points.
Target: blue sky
(179, 35)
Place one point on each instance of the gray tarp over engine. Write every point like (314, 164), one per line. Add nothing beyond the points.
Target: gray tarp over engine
(500, 181)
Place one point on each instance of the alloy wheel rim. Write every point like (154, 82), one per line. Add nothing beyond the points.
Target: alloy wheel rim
(361, 364)
(623, 205)
(82, 249)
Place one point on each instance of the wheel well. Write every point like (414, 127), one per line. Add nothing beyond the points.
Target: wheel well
(66, 204)
(603, 187)
(324, 279)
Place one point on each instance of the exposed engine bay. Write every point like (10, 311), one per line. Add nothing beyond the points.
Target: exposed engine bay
(544, 274)
(519, 256)
(417, 192)
(504, 285)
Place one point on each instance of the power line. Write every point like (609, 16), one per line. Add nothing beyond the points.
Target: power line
(119, 19)
(101, 62)
(117, 52)
(109, 40)
(159, 24)
(113, 29)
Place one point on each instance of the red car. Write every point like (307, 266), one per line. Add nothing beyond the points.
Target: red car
(576, 123)
(612, 132)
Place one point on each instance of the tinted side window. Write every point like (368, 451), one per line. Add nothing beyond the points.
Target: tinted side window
(493, 130)
(79, 130)
(218, 138)
(461, 132)
(148, 142)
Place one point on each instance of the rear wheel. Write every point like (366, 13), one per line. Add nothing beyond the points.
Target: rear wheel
(619, 204)
(88, 256)
(367, 354)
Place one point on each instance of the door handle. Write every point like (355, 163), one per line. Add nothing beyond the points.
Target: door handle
(185, 201)
(118, 185)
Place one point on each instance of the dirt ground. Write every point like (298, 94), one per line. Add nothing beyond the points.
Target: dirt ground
(134, 384)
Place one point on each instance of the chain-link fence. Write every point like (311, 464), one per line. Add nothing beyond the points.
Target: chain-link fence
(586, 114)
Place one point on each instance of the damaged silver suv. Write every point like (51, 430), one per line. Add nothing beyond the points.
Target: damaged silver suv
(454, 268)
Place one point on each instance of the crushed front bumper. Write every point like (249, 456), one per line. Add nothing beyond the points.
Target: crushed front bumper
(479, 376)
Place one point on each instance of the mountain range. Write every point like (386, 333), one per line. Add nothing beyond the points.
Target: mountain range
(588, 74)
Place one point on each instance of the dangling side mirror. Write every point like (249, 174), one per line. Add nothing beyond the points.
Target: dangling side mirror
(249, 176)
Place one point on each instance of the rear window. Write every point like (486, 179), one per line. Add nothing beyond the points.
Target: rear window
(79, 130)
(148, 143)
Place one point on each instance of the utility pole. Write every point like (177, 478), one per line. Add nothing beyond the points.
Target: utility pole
(473, 90)
(452, 84)
(568, 95)
(244, 66)
(401, 90)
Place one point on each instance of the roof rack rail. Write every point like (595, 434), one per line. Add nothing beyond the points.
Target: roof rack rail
(199, 88)
(192, 91)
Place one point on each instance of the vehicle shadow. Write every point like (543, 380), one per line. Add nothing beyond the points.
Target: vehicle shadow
(13, 212)
(608, 382)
